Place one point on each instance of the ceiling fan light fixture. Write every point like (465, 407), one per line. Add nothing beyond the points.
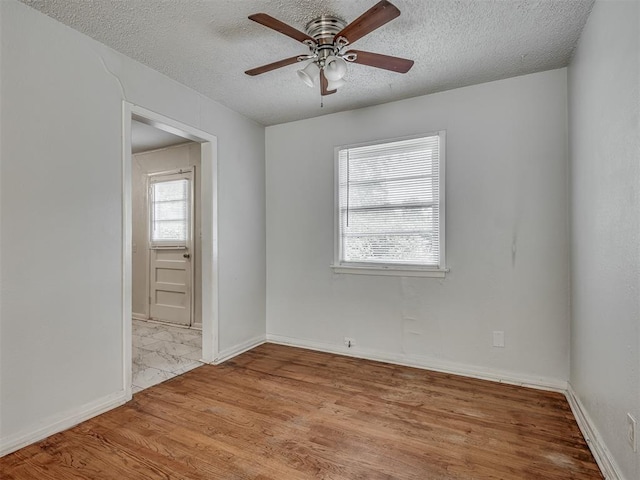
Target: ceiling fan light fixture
(335, 68)
(335, 84)
(309, 74)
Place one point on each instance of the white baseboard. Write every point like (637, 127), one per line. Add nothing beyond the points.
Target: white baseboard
(600, 452)
(58, 423)
(236, 350)
(139, 316)
(427, 363)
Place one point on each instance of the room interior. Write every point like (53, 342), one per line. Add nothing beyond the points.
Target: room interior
(540, 102)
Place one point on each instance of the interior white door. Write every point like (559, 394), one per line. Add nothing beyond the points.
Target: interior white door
(170, 247)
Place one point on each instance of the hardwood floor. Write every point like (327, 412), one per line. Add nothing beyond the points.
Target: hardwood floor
(284, 413)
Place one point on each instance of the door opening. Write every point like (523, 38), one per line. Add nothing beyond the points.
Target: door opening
(177, 248)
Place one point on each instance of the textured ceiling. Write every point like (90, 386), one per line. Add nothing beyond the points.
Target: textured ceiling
(208, 44)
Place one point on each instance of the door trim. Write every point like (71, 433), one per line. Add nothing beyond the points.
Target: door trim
(209, 226)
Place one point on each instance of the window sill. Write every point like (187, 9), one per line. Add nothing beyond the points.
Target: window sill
(390, 271)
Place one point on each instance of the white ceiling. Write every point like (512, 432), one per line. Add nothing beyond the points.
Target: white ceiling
(208, 44)
(145, 137)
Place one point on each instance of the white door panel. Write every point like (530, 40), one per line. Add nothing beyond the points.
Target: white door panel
(170, 286)
(171, 238)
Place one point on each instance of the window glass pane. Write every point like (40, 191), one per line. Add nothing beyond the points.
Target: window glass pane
(169, 211)
(389, 202)
(172, 210)
(393, 192)
(170, 231)
(415, 220)
(399, 249)
(170, 190)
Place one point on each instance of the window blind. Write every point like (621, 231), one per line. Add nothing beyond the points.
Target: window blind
(169, 212)
(389, 203)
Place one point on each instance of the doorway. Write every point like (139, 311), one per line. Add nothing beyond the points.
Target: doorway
(181, 245)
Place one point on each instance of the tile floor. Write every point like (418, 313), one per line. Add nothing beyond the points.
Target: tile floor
(162, 351)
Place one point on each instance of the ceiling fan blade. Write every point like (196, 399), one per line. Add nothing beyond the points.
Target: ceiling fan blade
(272, 66)
(395, 64)
(373, 18)
(324, 83)
(278, 26)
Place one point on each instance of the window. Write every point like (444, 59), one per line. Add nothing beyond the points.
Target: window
(169, 208)
(390, 207)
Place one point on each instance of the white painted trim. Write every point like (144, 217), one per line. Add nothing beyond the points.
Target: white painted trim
(511, 378)
(60, 422)
(140, 316)
(598, 448)
(390, 271)
(236, 350)
(127, 251)
(442, 193)
(209, 249)
(209, 227)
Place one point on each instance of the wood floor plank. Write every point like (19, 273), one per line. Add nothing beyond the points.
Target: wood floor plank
(278, 412)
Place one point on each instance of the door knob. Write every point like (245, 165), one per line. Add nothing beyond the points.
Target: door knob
(186, 255)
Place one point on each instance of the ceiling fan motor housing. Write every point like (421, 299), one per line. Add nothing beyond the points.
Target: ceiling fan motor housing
(323, 30)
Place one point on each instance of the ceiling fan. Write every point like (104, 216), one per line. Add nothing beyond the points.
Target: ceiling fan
(328, 39)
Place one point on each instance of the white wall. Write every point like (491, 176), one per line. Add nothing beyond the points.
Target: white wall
(506, 193)
(162, 160)
(61, 200)
(605, 263)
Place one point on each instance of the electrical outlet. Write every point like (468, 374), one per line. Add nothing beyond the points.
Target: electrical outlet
(349, 342)
(498, 338)
(631, 432)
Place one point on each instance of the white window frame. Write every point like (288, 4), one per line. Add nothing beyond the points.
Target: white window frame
(408, 270)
